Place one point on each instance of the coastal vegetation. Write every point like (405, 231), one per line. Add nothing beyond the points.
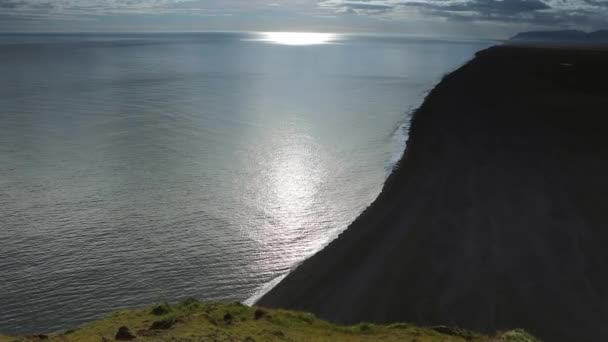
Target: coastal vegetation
(192, 320)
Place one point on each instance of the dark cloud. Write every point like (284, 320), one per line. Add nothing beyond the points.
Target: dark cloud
(27, 10)
(506, 7)
(588, 13)
(42, 6)
(482, 6)
(505, 10)
(474, 8)
(560, 13)
(359, 7)
(10, 4)
(22, 4)
(597, 2)
(369, 6)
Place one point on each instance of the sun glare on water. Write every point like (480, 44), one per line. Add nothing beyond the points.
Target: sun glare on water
(298, 38)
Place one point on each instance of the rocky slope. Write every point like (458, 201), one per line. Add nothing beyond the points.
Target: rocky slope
(497, 216)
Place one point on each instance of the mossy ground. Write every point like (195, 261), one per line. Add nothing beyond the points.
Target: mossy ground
(192, 320)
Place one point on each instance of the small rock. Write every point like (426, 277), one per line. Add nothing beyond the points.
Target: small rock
(454, 332)
(162, 325)
(259, 313)
(123, 334)
(146, 332)
(228, 318)
(40, 336)
(249, 339)
(160, 310)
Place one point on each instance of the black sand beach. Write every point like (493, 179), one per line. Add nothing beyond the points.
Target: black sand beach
(497, 216)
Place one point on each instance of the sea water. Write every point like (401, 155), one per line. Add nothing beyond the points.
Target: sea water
(141, 168)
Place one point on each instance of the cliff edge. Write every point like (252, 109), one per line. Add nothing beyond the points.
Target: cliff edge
(497, 215)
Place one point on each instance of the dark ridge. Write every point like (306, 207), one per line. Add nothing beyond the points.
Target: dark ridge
(497, 216)
(570, 37)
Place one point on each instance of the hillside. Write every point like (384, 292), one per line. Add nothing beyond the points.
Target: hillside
(496, 216)
(196, 321)
(571, 37)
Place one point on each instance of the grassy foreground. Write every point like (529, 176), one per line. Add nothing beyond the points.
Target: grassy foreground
(192, 320)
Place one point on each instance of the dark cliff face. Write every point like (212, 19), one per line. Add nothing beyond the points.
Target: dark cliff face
(550, 35)
(498, 214)
(574, 37)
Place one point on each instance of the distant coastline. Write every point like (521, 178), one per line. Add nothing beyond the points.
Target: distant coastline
(496, 215)
(563, 38)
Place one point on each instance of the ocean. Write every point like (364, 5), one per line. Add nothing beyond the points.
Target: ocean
(142, 168)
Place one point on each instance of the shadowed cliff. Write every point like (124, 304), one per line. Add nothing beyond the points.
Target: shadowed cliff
(497, 216)
(569, 37)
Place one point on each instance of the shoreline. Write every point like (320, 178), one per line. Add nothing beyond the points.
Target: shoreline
(401, 132)
(486, 221)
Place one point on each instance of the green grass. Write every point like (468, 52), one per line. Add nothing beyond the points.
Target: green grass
(192, 320)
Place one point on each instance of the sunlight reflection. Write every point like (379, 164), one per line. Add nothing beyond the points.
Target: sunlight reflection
(298, 38)
(296, 181)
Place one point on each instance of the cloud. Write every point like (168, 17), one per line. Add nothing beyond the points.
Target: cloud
(504, 10)
(360, 6)
(546, 13)
(53, 9)
(600, 3)
(589, 13)
(9, 4)
(39, 9)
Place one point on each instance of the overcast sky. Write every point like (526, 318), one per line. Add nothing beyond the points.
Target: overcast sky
(475, 18)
